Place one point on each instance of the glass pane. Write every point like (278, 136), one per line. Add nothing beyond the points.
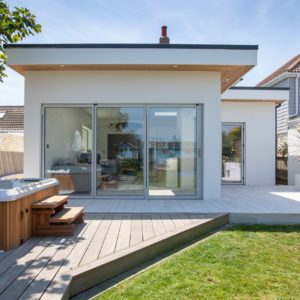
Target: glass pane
(231, 153)
(120, 151)
(172, 151)
(68, 148)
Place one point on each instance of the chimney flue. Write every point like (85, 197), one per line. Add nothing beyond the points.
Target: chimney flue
(164, 38)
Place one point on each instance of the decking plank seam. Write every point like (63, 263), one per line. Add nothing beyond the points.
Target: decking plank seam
(79, 230)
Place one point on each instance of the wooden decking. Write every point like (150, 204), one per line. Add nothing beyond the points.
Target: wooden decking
(34, 270)
(235, 199)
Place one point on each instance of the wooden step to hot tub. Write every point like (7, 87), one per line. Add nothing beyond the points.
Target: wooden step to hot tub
(55, 230)
(51, 202)
(52, 218)
(68, 215)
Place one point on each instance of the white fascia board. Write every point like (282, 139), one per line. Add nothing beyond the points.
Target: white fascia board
(281, 77)
(256, 95)
(124, 56)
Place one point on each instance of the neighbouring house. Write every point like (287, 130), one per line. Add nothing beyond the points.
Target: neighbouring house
(12, 128)
(11, 139)
(137, 121)
(288, 113)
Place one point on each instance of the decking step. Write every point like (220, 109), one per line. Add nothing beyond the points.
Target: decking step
(67, 215)
(51, 202)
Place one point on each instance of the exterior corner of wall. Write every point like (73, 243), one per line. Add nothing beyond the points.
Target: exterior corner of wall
(32, 133)
(212, 192)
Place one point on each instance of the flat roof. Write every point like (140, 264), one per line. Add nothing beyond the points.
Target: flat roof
(270, 88)
(255, 94)
(138, 46)
(232, 61)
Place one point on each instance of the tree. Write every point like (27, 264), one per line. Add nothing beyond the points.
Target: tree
(282, 146)
(14, 27)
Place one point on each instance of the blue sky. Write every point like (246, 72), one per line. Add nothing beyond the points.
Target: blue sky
(272, 24)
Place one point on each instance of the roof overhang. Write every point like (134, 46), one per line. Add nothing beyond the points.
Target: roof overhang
(233, 61)
(256, 94)
(280, 77)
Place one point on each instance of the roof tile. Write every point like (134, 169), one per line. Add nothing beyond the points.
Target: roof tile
(13, 119)
(293, 65)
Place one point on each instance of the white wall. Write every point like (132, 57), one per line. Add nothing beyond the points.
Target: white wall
(259, 119)
(161, 87)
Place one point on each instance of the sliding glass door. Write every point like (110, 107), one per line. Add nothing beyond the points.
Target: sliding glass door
(68, 148)
(123, 151)
(120, 151)
(232, 153)
(172, 153)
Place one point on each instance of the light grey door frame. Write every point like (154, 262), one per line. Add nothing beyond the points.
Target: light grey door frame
(198, 154)
(42, 170)
(95, 151)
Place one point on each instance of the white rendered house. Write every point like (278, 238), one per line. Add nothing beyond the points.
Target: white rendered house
(145, 120)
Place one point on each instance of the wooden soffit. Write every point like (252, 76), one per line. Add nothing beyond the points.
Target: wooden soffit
(230, 74)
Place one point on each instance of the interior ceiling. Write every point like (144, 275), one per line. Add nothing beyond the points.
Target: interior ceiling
(229, 74)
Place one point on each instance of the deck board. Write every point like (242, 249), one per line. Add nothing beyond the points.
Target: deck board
(21, 264)
(185, 219)
(168, 224)
(123, 241)
(147, 227)
(17, 253)
(5, 254)
(158, 225)
(41, 282)
(136, 230)
(96, 243)
(20, 284)
(176, 220)
(111, 237)
(83, 243)
(54, 285)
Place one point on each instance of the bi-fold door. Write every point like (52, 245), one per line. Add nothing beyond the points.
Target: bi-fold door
(133, 151)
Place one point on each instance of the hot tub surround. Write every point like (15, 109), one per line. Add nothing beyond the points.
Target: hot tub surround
(16, 197)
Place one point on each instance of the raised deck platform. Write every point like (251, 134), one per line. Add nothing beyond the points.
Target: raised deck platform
(245, 204)
(106, 245)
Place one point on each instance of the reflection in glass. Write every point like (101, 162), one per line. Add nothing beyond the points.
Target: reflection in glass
(68, 148)
(172, 151)
(120, 151)
(231, 153)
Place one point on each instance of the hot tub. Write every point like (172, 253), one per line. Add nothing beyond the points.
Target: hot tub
(16, 197)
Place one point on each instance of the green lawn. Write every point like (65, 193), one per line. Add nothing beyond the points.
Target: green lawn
(243, 262)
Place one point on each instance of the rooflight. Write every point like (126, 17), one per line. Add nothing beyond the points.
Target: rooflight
(2, 114)
(165, 114)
